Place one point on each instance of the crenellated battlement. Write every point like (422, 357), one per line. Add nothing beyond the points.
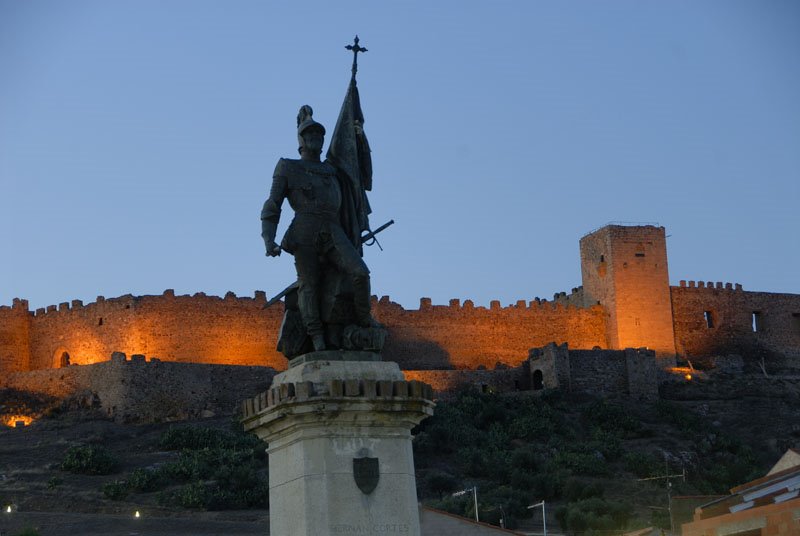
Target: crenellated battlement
(561, 302)
(16, 305)
(718, 285)
(129, 301)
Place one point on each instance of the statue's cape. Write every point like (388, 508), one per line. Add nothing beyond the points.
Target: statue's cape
(349, 153)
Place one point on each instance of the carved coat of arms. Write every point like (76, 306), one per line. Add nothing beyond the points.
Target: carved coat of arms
(366, 474)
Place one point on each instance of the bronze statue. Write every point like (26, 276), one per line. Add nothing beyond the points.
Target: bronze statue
(329, 307)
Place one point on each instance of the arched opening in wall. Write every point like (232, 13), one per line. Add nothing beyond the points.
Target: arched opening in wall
(61, 358)
(538, 380)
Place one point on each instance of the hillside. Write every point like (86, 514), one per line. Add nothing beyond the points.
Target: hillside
(579, 453)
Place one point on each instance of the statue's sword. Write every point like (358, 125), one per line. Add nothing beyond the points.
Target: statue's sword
(364, 239)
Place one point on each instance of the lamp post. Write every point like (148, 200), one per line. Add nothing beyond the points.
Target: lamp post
(474, 491)
(544, 515)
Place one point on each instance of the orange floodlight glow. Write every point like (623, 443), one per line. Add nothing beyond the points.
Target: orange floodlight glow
(12, 420)
(688, 377)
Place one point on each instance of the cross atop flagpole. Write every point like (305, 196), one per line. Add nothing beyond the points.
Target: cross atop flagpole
(355, 49)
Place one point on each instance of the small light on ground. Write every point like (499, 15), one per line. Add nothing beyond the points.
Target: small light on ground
(137, 514)
(8, 509)
(688, 377)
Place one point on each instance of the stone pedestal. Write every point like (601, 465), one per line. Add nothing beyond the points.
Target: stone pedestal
(340, 458)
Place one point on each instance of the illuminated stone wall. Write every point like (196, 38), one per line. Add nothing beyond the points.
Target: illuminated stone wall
(196, 329)
(464, 336)
(235, 330)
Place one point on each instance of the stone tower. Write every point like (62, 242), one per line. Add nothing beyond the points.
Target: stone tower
(15, 337)
(624, 268)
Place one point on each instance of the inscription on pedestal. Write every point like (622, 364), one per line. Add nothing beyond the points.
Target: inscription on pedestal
(376, 528)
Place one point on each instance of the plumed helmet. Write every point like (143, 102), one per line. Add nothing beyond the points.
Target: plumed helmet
(305, 120)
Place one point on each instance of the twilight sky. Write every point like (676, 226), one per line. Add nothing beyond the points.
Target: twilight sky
(138, 140)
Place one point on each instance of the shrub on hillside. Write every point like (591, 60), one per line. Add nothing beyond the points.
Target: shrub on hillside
(611, 417)
(606, 442)
(197, 437)
(582, 463)
(116, 490)
(28, 531)
(213, 496)
(681, 418)
(549, 485)
(643, 464)
(594, 514)
(146, 480)
(89, 460)
(576, 490)
(440, 483)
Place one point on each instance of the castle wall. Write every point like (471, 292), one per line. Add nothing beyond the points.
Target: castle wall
(234, 330)
(631, 372)
(552, 361)
(464, 336)
(443, 381)
(598, 371)
(14, 337)
(137, 390)
(199, 328)
(731, 309)
(625, 301)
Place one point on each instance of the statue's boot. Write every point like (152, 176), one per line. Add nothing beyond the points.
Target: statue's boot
(361, 302)
(309, 309)
(319, 342)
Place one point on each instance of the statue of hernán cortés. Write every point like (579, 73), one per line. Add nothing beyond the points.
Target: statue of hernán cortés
(329, 307)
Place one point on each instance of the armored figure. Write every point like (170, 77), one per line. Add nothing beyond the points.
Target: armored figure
(333, 288)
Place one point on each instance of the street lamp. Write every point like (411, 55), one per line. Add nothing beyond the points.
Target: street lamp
(474, 491)
(544, 516)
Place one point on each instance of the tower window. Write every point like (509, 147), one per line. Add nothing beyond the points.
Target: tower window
(639, 254)
(757, 321)
(602, 258)
(100, 321)
(709, 318)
